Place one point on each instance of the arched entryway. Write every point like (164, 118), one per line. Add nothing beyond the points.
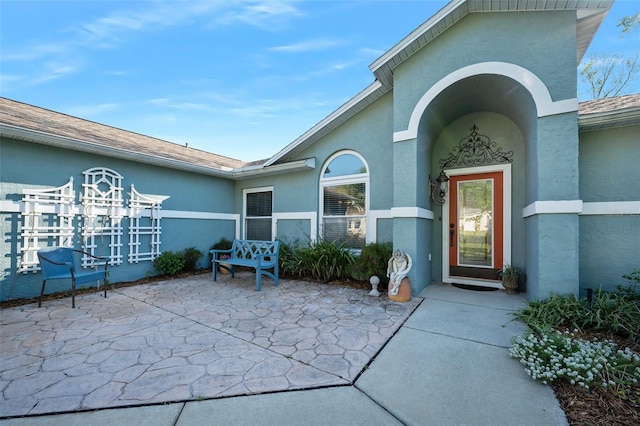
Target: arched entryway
(475, 233)
(514, 109)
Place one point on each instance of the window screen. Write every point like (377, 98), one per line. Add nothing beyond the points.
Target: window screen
(258, 215)
(344, 200)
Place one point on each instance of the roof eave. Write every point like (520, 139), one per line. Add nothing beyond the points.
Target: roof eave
(276, 169)
(609, 119)
(339, 116)
(590, 15)
(28, 135)
(383, 67)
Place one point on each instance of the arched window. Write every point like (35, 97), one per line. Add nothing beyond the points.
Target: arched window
(344, 199)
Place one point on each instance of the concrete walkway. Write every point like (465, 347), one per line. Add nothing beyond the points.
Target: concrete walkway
(300, 353)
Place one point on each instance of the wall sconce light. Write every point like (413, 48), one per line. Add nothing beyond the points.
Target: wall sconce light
(439, 188)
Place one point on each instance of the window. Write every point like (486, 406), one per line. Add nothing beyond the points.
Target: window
(258, 208)
(344, 199)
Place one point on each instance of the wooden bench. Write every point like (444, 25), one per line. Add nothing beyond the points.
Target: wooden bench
(260, 255)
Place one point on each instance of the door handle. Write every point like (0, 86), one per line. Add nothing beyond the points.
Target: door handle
(452, 232)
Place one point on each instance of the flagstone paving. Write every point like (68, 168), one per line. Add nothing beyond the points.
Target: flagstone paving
(189, 339)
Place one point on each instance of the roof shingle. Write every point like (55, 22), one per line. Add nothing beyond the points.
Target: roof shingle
(599, 106)
(29, 117)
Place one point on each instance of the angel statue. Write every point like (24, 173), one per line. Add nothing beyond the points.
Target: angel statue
(398, 267)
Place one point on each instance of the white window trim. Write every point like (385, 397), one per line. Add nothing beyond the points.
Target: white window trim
(244, 208)
(345, 180)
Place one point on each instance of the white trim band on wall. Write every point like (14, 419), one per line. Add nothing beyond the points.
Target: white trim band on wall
(609, 208)
(8, 206)
(612, 208)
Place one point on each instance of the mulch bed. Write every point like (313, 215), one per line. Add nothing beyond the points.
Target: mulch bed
(600, 406)
(597, 406)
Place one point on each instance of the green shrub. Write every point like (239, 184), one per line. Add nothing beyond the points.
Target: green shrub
(321, 260)
(169, 263)
(289, 262)
(326, 260)
(222, 244)
(373, 260)
(632, 290)
(554, 312)
(613, 313)
(191, 256)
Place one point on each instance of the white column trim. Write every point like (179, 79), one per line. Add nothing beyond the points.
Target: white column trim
(412, 212)
(553, 207)
(406, 212)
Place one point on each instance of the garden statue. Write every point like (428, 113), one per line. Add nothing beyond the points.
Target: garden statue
(374, 281)
(397, 269)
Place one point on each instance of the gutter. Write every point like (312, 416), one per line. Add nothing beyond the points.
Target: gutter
(609, 119)
(276, 169)
(372, 92)
(43, 138)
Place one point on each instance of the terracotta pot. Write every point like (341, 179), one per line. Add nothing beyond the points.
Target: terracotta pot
(404, 292)
(222, 270)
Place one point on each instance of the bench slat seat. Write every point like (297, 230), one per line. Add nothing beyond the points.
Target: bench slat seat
(260, 255)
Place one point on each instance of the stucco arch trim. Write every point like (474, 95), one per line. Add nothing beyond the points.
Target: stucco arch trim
(539, 92)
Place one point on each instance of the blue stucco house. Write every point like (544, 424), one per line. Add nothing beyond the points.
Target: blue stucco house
(469, 151)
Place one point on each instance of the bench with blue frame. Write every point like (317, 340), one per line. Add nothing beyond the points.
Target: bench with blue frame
(259, 255)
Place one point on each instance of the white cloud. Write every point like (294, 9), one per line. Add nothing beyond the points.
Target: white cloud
(118, 73)
(307, 46)
(88, 111)
(267, 14)
(117, 27)
(51, 71)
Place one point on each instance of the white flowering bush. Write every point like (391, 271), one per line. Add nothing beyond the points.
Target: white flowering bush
(553, 356)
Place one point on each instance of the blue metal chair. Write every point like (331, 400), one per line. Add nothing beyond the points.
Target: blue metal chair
(57, 263)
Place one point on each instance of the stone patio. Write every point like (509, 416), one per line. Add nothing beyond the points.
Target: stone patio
(189, 339)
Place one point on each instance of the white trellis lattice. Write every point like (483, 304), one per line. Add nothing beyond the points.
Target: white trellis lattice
(144, 225)
(47, 219)
(102, 204)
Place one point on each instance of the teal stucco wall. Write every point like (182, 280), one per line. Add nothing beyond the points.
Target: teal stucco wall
(609, 173)
(541, 42)
(369, 134)
(26, 165)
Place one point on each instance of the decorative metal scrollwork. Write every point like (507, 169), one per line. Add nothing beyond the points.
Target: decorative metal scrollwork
(475, 150)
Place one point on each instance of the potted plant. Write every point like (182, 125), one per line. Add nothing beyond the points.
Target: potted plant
(510, 276)
(223, 244)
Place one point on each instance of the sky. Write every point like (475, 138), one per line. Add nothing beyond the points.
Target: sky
(240, 78)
